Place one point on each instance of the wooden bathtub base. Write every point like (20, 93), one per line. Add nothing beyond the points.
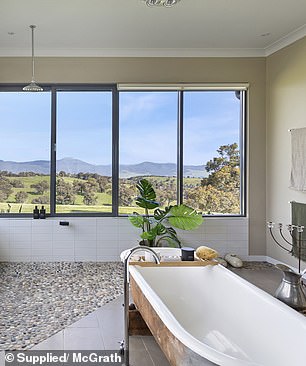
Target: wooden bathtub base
(175, 351)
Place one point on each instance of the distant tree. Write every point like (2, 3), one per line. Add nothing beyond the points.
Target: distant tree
(92, 185)
(40, 187)
(42, 200)
(224, 170)
(5, 188)
(17, 183)
(79, 187)
(3, 196)
(64, 192)
(228, 156)
(166, 191)
(126, 194)
(28, 174)
(220, 191)
(89, 198)
(21, 197)
(102, 183)
(62, 174)
(210, 200)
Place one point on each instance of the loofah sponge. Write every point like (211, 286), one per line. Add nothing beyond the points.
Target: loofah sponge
(206, 253)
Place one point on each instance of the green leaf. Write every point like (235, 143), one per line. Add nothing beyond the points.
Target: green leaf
(149, 235)
(160, 229)
(159, 214)
(137, 221)
(144, 203)
(146, 190)
(184, 217)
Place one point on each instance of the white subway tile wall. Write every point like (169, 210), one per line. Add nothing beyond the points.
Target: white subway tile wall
(103, 239)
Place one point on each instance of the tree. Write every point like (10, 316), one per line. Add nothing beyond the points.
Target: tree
(79, 187)
(91, 185)
(224, 170)
(89, 198)
(42, 200)
(102, 183)
(166, 191)
(126, 194)
(229, 156)
(211, 200)
(64, 192)
(220, 191)
(40, 187)
(17, 183)
(5, 188)
(21, 197)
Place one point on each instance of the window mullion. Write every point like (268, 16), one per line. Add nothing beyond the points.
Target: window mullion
(115, 153)
(53, 154)
(180, 148)
(243, 153)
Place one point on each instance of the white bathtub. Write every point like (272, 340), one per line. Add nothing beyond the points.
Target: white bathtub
(220, 317)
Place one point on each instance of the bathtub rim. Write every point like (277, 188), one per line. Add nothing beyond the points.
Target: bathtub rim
(188, 339)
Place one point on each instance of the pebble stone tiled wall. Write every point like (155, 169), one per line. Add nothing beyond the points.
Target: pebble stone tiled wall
(103, 239)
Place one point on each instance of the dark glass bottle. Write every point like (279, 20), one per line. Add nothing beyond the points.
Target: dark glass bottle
(42, 213)
(36, 213)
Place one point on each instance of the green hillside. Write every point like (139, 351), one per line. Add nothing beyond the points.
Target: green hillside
(14, 185)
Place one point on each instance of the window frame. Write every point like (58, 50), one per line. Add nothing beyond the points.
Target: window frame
(115, 89)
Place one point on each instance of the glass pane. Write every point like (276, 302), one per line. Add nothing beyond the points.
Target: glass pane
(212, 151)
(148, 125)
(84, 152)
(24, 151)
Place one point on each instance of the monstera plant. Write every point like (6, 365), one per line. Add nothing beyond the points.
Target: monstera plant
(157, 227)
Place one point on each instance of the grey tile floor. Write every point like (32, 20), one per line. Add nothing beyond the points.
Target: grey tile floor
(103, 329)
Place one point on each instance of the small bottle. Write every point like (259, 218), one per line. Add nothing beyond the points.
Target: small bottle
(36, 213)
(42, 213)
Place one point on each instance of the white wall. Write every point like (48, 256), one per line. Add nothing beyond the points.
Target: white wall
(103, 239)
(172, 70)
(286, 109)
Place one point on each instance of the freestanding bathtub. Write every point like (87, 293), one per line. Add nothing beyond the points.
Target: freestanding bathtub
(210, 316)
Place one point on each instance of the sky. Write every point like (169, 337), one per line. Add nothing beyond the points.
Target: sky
(148, 126)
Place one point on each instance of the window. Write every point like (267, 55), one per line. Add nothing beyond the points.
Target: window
(188, 143)
(148, 146)
(24, 151)
(212, 179)
(84, 152)
(80, 150)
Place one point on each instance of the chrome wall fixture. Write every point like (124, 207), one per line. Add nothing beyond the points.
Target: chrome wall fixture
(33, 87)
(291, 290)
(166, 3)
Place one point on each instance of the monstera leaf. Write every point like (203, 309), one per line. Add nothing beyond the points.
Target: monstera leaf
(184, 217)
(159, 214)
(137, 220)
(147, 195)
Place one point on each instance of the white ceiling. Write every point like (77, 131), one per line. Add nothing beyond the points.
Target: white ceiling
(130, 28)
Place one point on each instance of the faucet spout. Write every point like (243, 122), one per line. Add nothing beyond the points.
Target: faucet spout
(126, 294)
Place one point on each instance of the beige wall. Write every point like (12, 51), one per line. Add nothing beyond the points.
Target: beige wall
(286, 109)
(103, 70)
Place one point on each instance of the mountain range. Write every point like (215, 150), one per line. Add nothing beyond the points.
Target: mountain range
(74, 166)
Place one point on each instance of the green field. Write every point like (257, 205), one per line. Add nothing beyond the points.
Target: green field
(103, 199)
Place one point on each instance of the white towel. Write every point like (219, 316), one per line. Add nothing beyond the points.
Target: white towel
(298, 159)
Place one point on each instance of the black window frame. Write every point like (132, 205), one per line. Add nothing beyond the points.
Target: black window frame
(112, 87)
